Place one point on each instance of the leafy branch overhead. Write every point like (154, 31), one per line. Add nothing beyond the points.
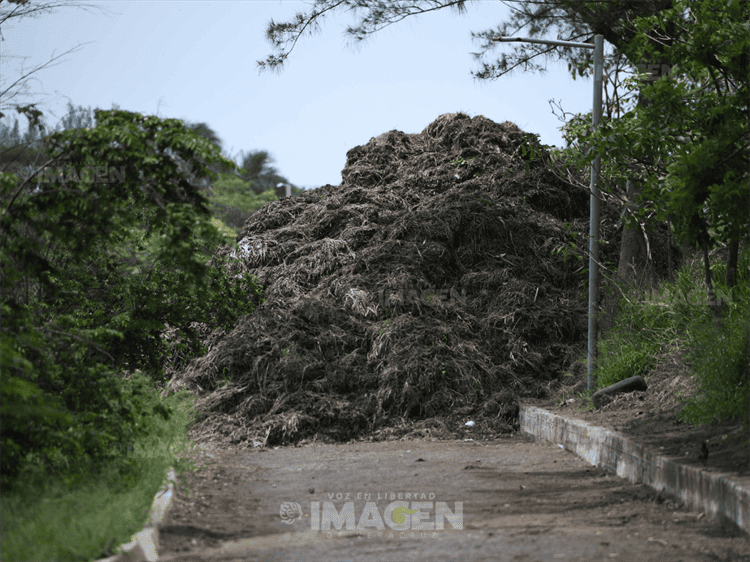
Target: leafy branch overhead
(564, 19)
(284, 36)
(689, 144)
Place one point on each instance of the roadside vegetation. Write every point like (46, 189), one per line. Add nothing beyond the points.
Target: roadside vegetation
(104, 292)
(681, 174)
(46, 519)
(673, 319)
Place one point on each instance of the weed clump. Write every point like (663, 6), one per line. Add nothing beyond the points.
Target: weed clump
(675, 320)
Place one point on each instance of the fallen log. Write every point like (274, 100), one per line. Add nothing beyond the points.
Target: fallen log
(601, 397)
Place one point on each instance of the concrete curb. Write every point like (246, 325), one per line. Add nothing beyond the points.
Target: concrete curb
(716, 496)
(145, 545)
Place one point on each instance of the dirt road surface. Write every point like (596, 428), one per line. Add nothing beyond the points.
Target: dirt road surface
(504, 500)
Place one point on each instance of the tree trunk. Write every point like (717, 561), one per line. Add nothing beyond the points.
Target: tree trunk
(734, 247)
(633, 248)
(634, 263)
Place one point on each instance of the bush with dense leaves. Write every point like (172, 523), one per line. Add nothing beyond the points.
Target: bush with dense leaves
(91, 275)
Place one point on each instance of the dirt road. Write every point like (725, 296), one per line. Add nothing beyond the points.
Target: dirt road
(509, 499)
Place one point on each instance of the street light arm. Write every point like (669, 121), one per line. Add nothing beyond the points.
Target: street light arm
(542, 42)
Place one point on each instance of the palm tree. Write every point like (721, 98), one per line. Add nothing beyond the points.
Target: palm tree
(260, 171)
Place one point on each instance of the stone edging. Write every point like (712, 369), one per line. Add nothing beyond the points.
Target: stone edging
(145, 544)
(715, 495)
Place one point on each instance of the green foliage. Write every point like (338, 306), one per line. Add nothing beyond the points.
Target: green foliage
(259, 172)
(688, 145)
(676, 317)
(641, 328)
(719, 361)
(78, 522)
(95, 415)
(233, 200)
(228, 233)
(620, 360)
(91, 273)
(717, 355)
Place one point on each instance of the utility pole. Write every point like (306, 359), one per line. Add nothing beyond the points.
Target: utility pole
(596, 117)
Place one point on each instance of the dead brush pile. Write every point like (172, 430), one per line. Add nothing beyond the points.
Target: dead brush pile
(422, 292)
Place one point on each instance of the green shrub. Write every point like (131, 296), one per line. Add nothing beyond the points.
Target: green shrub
(78, 521)
(72, 421)
(718, 360)
(717, 356)
(642, 327)
(89, 277)
(679, 318)
(619, 360)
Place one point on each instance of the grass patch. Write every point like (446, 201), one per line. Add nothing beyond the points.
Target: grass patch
(719, 358)
(644, 326)
(52, 521)
(675, 316)
(620, 360)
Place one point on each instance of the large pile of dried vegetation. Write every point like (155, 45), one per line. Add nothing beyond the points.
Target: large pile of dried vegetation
(423, 292)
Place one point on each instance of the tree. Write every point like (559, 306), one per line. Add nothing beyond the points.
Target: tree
(258, 175)
(79, 307)
(233, 200)
(21, 155)
(18, 154)
(260, 171)
(12, 95)
(82, 312)
(690, 142)
(207, 133)
(570, 20)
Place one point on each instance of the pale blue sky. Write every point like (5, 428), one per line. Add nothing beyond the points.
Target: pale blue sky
(197, 61)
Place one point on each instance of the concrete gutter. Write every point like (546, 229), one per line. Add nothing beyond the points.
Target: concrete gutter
(716, 496)
(145, 544)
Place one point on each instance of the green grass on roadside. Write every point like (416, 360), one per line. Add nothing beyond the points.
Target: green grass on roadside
(719, 360)
(80, 524)
(645, 325)
(675, 316)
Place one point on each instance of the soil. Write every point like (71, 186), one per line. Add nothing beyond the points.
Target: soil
(652, 418)
(521, 501)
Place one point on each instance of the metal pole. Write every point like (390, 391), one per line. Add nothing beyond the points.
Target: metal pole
(596, 117)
